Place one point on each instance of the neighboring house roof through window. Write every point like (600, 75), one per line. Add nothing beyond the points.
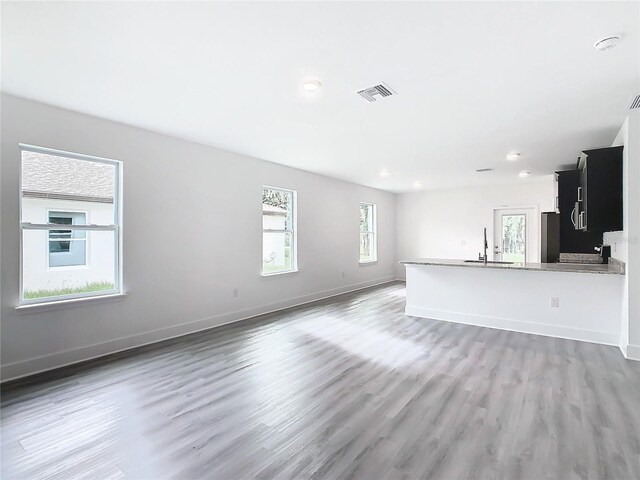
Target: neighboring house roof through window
(49, 176)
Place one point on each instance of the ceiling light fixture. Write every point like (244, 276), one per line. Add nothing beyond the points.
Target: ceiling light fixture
(417, 184)
(384, 172)
(524, 173)
(512, 157)
(311, 85)
(607, 43)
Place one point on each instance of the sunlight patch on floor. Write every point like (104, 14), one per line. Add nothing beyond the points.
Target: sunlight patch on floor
(371, 344)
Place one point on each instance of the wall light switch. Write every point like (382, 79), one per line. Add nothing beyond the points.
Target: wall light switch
(555, 302)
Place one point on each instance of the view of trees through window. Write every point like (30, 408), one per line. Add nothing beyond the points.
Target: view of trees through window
(367, 233)
(276, 198)
(278, 238)
(514, 238)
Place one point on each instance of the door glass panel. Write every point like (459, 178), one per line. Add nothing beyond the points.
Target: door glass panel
(514, 238)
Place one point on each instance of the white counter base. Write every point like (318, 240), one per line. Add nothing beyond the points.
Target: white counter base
(519, 300)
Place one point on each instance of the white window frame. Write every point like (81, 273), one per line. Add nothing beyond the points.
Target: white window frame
(293, 230)
(116, 227)
(373, 233)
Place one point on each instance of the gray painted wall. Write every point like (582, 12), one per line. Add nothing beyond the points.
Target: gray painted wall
(192, 233)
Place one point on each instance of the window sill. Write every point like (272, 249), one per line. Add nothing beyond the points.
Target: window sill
(368, 262)
(278, 273)
(69, 303)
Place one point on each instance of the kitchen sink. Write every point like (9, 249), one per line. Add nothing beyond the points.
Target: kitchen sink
(489, 261)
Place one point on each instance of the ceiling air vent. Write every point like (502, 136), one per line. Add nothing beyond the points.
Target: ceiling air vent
(482, 170)
(381, 90)
(635, 103)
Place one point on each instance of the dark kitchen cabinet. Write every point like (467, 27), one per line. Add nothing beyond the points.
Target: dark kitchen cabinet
(600, 190)
(550, 237)
(572, 240)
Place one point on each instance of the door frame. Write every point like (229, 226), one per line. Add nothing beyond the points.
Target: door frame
(533, 227)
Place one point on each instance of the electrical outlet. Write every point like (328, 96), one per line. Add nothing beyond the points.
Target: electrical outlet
(463, 242)
(235, 292)
(342, 275)
(555, 302)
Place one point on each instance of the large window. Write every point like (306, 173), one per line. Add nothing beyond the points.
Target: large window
(70, 225)
(278, 230)
(368, 250)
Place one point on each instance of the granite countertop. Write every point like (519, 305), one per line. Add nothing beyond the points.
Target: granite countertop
(614, 267)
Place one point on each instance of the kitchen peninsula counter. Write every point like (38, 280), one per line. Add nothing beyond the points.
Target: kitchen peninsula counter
(575, 301)
(615, 267)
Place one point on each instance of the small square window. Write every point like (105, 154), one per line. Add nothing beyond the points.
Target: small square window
(67, 248)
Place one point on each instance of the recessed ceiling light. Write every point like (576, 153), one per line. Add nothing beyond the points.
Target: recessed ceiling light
(607, 42)
(311, 85)
(524, 173)
(513, 156)
(417, 184)
(384, 172)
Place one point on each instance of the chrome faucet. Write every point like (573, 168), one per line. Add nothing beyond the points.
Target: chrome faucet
(486, 246)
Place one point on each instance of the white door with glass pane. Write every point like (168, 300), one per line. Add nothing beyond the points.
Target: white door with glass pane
(513, 235)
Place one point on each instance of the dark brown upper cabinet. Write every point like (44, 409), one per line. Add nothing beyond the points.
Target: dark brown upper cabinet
(599, 195)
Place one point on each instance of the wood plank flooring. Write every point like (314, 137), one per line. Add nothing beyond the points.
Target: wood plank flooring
(346, 388)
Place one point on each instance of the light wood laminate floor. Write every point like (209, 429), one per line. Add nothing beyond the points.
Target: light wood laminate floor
(345, 388)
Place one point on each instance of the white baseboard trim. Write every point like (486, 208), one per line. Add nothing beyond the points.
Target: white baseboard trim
(605, 338)
(623, 344)
(32, 366)
(630, 352)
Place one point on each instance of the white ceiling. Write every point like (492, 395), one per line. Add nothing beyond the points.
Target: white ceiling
(474, 80)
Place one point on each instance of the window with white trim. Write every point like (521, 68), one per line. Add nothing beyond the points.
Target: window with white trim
(368, 247)
(70, 240)
(278, 230)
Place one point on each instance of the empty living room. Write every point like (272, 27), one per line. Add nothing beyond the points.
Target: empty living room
(327, 240)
